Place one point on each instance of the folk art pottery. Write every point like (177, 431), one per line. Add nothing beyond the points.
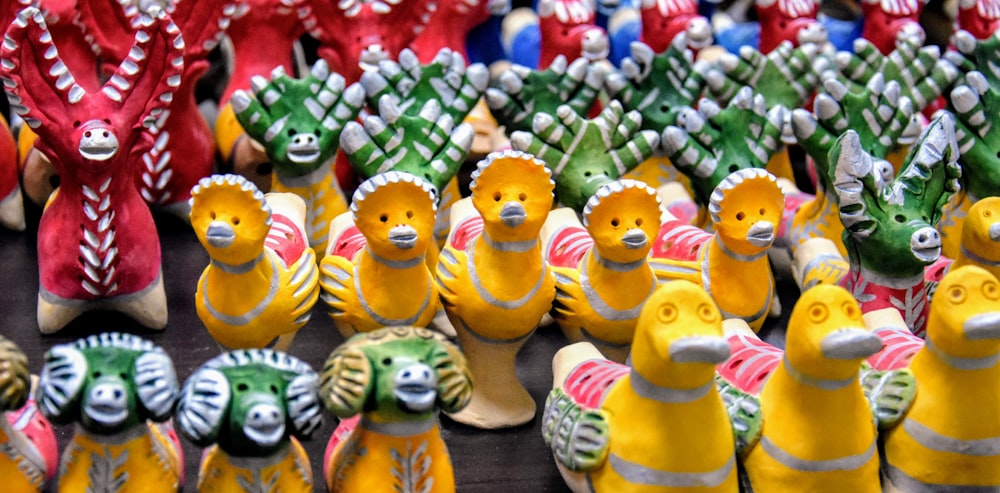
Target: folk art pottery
(120, 392)
(396, 379)
(536, 37)
(600, 265)
(250, 407)
(94, 139)
(494, 309)
(262, 281)
(299, 123)
(376, 273)
(450, 24)
(657, 423)
(30, 456)
(11, 198)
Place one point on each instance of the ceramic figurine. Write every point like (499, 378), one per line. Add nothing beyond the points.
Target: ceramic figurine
(818, 430)
(493, 308)
(980, 235)
(11, 199)
(249, 407)
(120, 391)
(356, 35)
(981, 18)
(732, 265)
(879, 115)
(94, 139)
(944, 441)
(885, 22)
(262, 35)
(376, 272)
(261, 282)
(585, 154)
(603, 420)
(450, 24)
(664, 20)
(899, 345)
(752, 360)
(299, 123)
(793, 21)
(534, 38)
(30, 455)
(602, 277)
(396, 378)
(889, 227)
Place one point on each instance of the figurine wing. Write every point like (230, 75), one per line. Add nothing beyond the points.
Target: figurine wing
(890, 394)
(336, 281)
(449, 274)
(304, 286)
(744, 413)
(570, 303)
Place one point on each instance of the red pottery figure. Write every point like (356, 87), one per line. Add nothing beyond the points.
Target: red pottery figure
(885, 21)
(789, 20)
(663, 20)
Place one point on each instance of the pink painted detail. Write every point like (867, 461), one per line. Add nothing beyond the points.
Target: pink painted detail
(568, 28)
(167, 429)
(981, 18)
(286, 239)
(685, 210)
(448, 27)
(750, 363)
(792, 203)
(29, 421)
(663, 20)
(349, 243)
(465, 231)
(911, 302)
(568, 247)
(788, 20)
(343, 430)
(898, 348)
(884, 20)
(262, 34)
(935, 272)
(679, 241)
(589, 381)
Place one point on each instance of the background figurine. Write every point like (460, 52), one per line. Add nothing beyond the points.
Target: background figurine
(396, 378)
(11, 198)
(980, 235)
(887, 21)
(493, 307)
(94, 140)
(602, 420)
(262, 281)
(30, 455)
(118, 389)
(376, 273)
(250, 407)
(535, 38)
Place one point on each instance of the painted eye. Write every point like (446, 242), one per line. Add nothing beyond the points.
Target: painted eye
(667, 313)
(384, 218)
(292, 132)
(76, 124)
(235, 220)
(639, 221)
(762, 211)
(242, 387)
(900, 218)
(706, 313)
(387, 361)
(212, 215)
(522, 196)
(987, 213)
(850, 309)
(991, 290)
(497, 196)
(818, 312)
(409, 214)
(273, 389)
(956, 294)
(96, 374)
(88, 134)
(615, 222)
(740, 215)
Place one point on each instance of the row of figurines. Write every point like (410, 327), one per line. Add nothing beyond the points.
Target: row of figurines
(668, 420)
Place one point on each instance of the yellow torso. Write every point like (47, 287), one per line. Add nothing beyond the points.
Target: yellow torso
(290, 473)
(817, 218)
(813, 424)
(19, 474)
(368, 462)
(740, 289)
(259, 305)
(324, 201)
(145, 464)
(693, 437)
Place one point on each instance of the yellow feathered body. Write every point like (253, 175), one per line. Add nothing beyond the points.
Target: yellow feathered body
(145, 463)
(288, 473)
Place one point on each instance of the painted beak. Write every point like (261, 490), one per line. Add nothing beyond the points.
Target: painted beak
(513, 214)
(699, 349)
(403, 237)
(220, 234)
(761, 234)
(850, 344)
(995, 231)
(634, 239)
(982, 326)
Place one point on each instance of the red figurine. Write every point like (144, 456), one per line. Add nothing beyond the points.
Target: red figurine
(568, 28)
(885, 21)
(789, 20)
(450, 25)
(981, 18)
(662, 20)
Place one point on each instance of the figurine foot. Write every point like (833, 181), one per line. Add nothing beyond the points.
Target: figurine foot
(497, 408)
(54, 315)
(148, 307)
(12, 211)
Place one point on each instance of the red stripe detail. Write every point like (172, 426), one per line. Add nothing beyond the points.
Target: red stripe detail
(751, 362)
(349, 242)
(899, 347)
(344, 428)
(568, 247)
(679, 241)
(29, 421)
(465, 232)
(288, 245)
(588, 382)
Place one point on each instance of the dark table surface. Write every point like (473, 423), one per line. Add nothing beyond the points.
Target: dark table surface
(513, 459)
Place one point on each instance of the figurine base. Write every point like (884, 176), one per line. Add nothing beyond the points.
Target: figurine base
(148, 307)
(12, 211)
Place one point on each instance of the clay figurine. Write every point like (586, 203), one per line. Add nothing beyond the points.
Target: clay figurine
(30, 455)
(249, 407)
(396, 378)
(535, 38)
(450, 24)
(120, 391)
(603, 420)
(664, 20)
(262, 281)
(945, 439)
(94, 140)
(778, 21)
(602, 277)
(376, 273)
(980, 234)
(980, 18)
(886, 22)
(732, 265)
(299, 124)
(495, 308)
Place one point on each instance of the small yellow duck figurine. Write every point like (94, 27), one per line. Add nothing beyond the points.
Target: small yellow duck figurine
(746, 209)
(494, 283)
(657, 424)
(262, 281)
(950, 437)
(375, 273)
(602, 276)
(819, 434)
(981, 237)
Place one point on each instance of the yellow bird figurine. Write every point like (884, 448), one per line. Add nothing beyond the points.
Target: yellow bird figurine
(950, 437)
(981, 237)
(602, 276)
(262, 281)
(657, 424)
(375, 274)
(819, 434)
(494, 283)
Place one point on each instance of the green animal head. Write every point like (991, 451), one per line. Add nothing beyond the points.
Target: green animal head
(107, 383)
(250, 402)
(298, 121)
(889, 225)
(396, 374)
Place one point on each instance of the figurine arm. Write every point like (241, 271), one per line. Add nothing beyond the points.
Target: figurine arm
(890, 394)
(579, 437)
(786, 76)
(203, 23)
(143, 83)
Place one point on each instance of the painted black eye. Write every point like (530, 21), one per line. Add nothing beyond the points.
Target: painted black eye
(292, 132)
(242, 387)
(96, 374)
(740, 216)
(273, 389)
(384, 218)
(387, 361)
(900, 218)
